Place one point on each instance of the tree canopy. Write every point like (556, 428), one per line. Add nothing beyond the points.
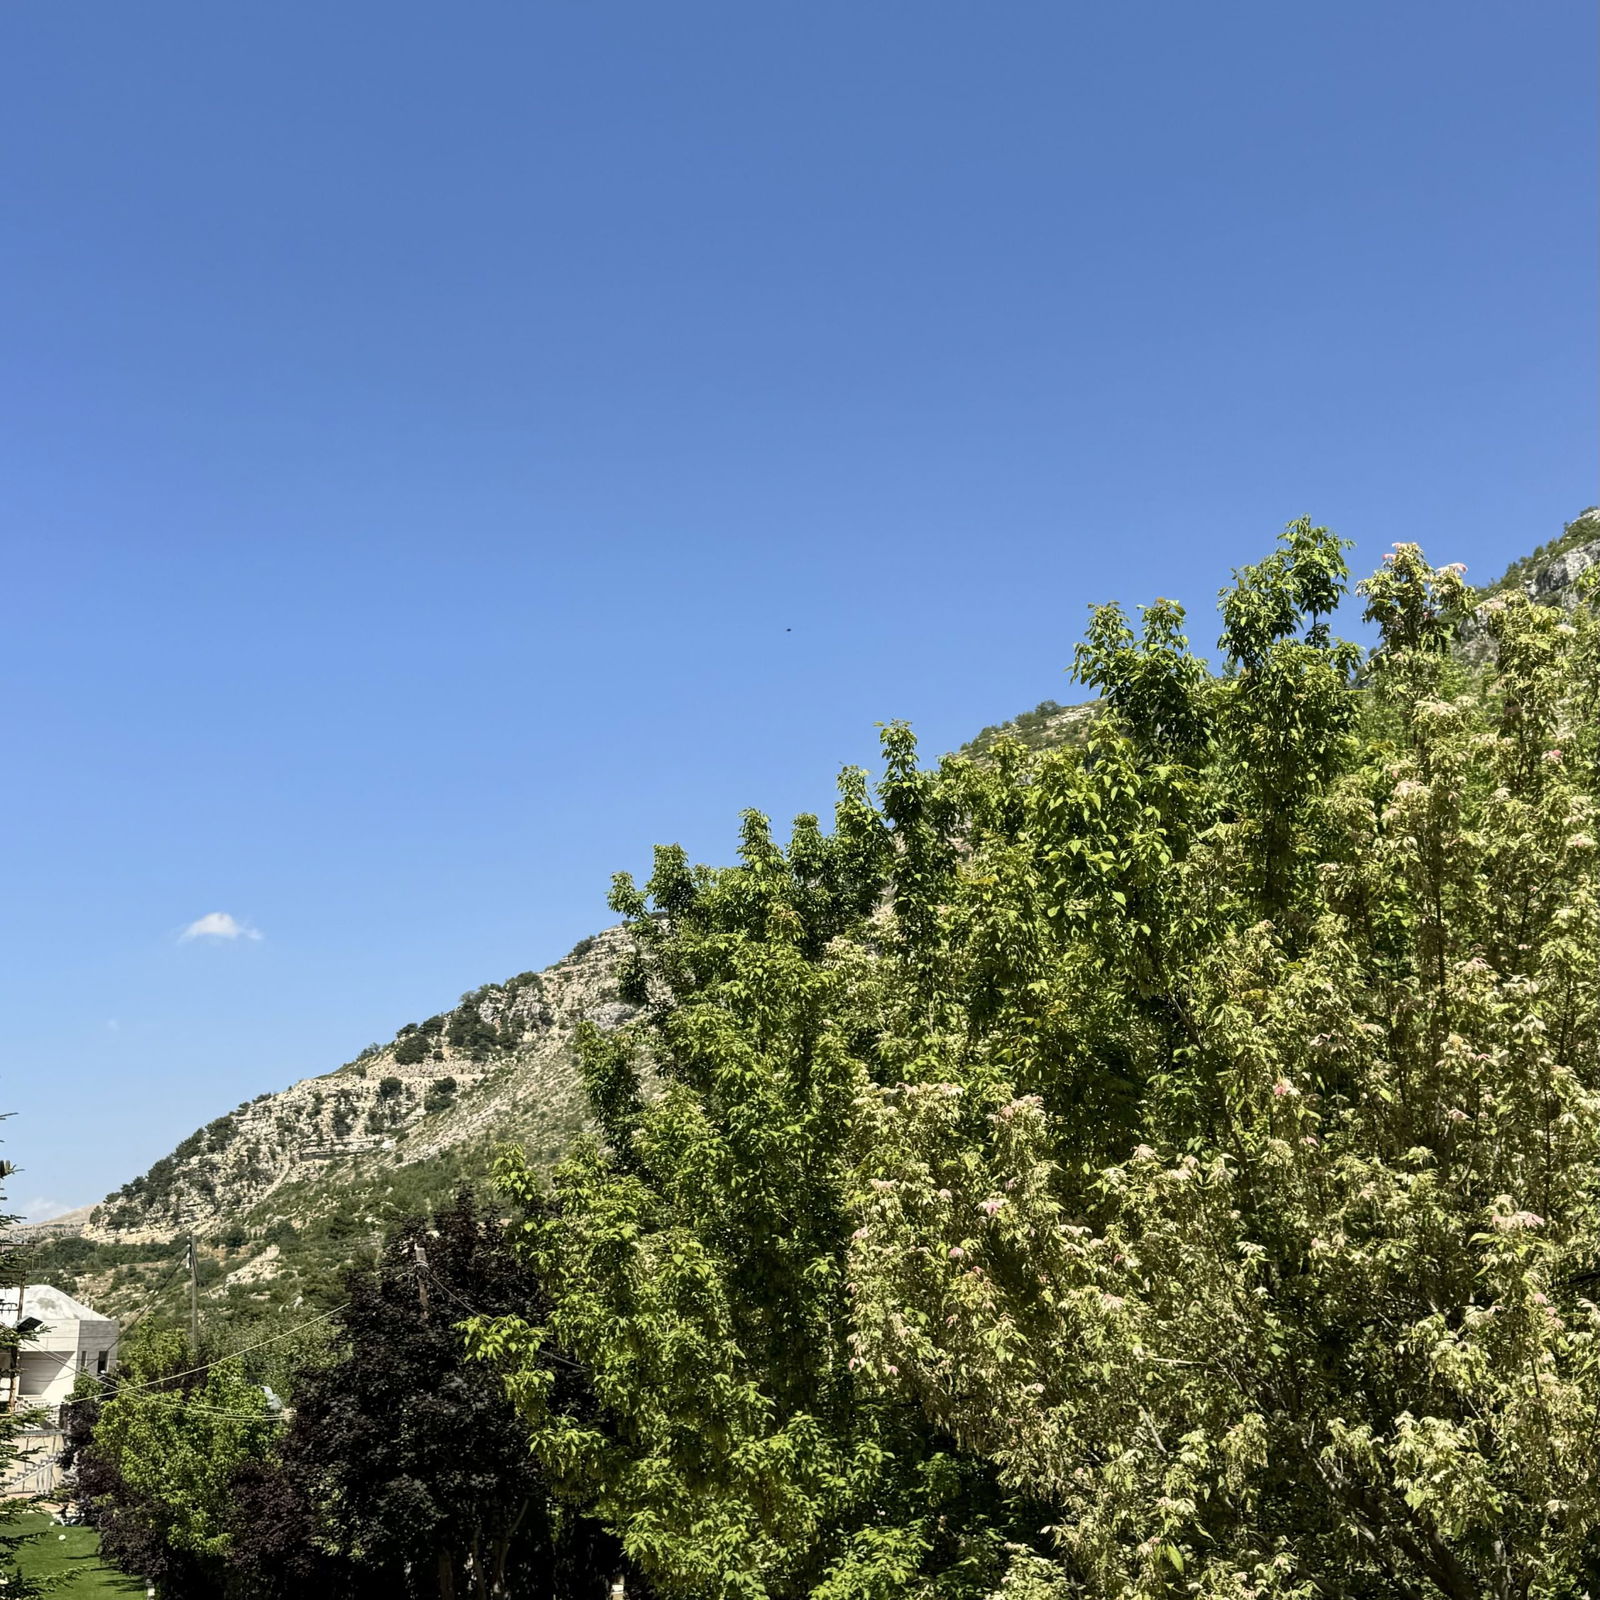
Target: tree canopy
(1160, 1164)
(1160, 1167)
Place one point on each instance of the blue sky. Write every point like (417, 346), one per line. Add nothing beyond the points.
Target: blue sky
(447, 450)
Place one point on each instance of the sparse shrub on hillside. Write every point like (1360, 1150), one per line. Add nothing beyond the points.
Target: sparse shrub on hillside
(1019, 727)
(468, 1030)
(441, 1095)
(417, 1041)
(411, 1046)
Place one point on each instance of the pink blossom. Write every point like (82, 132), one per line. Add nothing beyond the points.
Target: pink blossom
(956, 1252)
(992, 1205)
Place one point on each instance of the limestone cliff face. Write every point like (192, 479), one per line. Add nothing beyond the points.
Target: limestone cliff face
(1549, 576)
(497, 1069)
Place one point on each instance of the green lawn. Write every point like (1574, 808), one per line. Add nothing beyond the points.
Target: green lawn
(51, 1554)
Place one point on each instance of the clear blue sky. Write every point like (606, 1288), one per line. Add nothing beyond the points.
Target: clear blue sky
(422, 428)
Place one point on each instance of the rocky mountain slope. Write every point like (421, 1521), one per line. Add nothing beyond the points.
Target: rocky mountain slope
(498, 1068)
(283, 1190)
(1549, 576)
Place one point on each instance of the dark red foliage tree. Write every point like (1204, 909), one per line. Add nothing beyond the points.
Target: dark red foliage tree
(404, 1471)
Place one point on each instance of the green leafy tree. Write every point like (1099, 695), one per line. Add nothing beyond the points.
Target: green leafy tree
(155, 1459)
(694, 1260)
(1305, 1309)
(405, 1472)
(1193, 1134)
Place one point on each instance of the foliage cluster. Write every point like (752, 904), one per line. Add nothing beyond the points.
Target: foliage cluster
(396, 1471)
(1162, 1167)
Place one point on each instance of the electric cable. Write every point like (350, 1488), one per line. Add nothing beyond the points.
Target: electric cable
(148, 1306)
(439, 1282)
(232, 1355)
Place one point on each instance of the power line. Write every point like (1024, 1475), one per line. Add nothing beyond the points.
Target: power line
(147, 1307)
(577, 1366)
(233, 1355)
(237, 1416)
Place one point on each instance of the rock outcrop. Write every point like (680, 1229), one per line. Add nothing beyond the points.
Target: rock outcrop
(497, 1068)
(1549, 577)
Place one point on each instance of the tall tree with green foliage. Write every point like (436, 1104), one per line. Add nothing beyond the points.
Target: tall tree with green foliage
(1193, 1135)
(405, 1472)
(694, 1260)
(398, 1470)
(1309, 1313)
(155, 1459)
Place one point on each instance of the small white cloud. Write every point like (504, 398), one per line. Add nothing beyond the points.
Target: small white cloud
(42, 1210)
(218, 925)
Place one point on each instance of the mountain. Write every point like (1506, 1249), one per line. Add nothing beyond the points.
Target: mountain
(496, 1069)
(282, 1191)
(1550, 574)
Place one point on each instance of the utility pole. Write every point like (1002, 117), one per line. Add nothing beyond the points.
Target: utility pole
(420, 1256)
(194, 1301)
(15, 1376)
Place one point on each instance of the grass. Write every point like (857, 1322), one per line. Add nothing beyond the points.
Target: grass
(52, 1555)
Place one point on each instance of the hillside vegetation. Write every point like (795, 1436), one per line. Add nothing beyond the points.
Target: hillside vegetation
(287, 1189)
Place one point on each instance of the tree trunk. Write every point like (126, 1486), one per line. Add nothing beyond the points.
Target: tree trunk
(480, 1573)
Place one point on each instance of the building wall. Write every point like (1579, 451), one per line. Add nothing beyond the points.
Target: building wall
(73, 1339)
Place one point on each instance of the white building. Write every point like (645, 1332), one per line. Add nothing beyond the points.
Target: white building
(61, 1338)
